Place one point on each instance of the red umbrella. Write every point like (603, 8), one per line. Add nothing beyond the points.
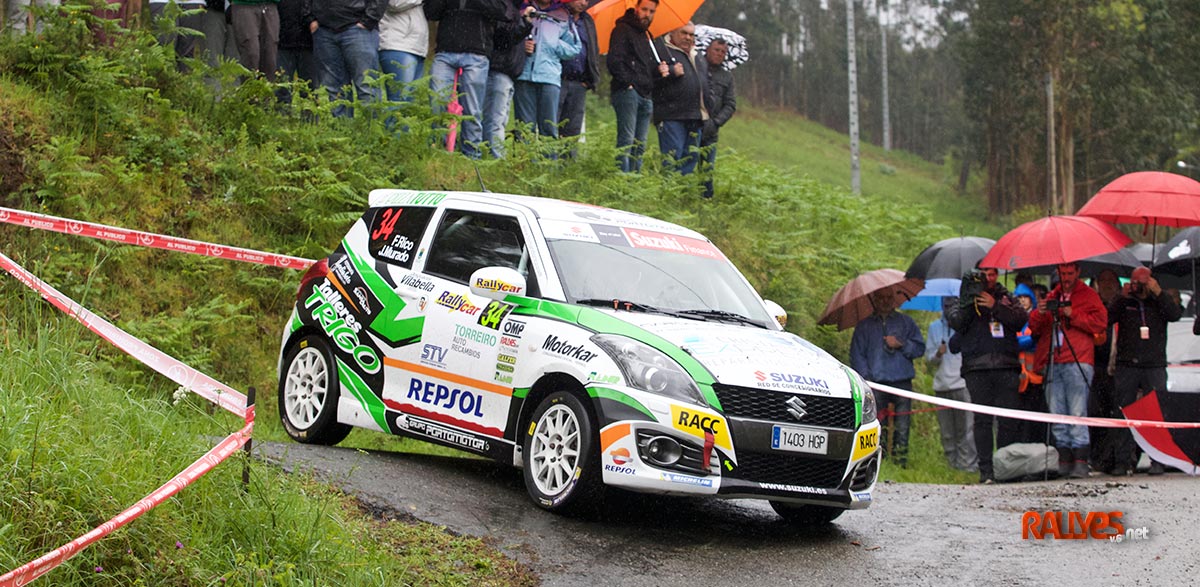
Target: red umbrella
(1053, 240)
(1147, 197)
(852, 302)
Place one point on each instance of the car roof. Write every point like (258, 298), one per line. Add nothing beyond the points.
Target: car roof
(542, 208)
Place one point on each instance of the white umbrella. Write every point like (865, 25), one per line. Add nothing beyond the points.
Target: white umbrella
(738, 53)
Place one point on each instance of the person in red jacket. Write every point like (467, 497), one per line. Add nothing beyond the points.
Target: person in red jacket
(1067, 319)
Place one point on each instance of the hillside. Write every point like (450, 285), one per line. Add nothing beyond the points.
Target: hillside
(114, 134)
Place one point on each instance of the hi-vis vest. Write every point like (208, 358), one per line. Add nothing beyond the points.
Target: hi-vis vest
(1028, 375)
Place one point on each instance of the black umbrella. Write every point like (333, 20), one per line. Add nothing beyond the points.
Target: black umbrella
(950, 258)
(1176, 255)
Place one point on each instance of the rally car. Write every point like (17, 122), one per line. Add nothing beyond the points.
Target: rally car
(590, 347)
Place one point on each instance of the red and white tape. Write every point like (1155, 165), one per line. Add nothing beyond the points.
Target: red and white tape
(28, 572)
(173, 369)
(149, 239)
(1032, 416)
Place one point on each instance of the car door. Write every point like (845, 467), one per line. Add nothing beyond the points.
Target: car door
(462, 377)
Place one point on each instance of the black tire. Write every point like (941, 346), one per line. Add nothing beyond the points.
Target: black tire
(805, 515)
(561, 461)
(308, 393)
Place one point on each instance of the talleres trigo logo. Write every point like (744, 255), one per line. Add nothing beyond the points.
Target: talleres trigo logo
(1066, 525)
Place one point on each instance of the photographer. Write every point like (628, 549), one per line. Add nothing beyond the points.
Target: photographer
(1140, 314)
(987, 319)
(1070, 316)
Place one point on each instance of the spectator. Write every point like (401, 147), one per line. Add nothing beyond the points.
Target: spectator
(464, 43)
(1031, 396)
(988, 322)
(256, 29)
(508, 59)
(1069, 318)
(536, 93)
(218, 42)
(295, 46)
(346, 46)
(679, 111)
(721, 106)
(958, 441)
(1102, 402)
(403, 44)
(580, 73)
(19, 17)
(882, 350)
(1140, 316)
(633, 62)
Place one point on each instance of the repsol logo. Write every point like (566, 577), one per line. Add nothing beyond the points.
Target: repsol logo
(339, 324)
(620, 470)
(435, 394)
(566, 349)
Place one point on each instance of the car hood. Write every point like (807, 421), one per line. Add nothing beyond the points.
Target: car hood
(1183, 378)
(751, 357)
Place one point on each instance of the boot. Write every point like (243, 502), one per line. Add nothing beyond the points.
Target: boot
(1156, 468)
(1066, 458)
(1081, 469)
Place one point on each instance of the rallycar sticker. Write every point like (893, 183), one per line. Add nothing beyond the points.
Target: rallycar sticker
(695, 422)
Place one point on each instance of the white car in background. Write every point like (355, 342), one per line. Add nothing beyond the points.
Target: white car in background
(589, 346)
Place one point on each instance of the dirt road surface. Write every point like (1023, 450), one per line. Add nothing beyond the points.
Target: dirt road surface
(912, 535)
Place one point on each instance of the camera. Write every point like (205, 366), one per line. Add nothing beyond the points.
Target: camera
(974, 282)
(1052, 306)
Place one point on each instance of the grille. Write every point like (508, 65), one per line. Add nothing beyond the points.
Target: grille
(771, 468)
(761, 404)
(864, 473)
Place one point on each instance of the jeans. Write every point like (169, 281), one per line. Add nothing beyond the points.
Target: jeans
(405, 69)
(472, 85)
(679, 140)
(901, 406)
(958, 438)
(1132, 383)
(495, 111)
(537, 104)
(256, 28)
(996, 388)
(1067, 393)
(345, 58)
(708, 167)
(295, 64)
(633, 126)
(571, 104)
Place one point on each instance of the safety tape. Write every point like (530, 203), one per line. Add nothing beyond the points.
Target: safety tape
(176, 371)
(149, 239)
(1031, 416)
(28, 572)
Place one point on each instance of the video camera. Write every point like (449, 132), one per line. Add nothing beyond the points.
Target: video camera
(1053, 305)
(974, 282)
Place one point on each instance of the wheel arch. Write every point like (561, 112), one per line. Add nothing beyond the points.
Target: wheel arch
(547, 384)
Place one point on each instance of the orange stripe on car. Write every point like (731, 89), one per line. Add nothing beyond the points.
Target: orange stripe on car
(334, 280)
(612, 435)
(473, 383)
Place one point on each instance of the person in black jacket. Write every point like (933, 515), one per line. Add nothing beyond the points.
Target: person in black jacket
(988, 323)
(346, 45)
(1141, 315)
(464, 42)
(508, 59)
(721, 106)
(633, 62)
(580, 73)
(679, 101)
(295, 47)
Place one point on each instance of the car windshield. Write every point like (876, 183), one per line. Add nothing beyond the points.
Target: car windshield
(1183, 347)
(659, 272)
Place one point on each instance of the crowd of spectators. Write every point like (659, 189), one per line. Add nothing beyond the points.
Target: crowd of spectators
(540, 56)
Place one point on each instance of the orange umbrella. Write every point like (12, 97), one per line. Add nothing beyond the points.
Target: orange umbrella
(852, 302)
(671, 15)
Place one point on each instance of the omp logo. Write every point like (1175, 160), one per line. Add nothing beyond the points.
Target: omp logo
(699, 423)
(1077, 526)
(514, 328)
(795, 407)
(566, 349)
(74, 227)
(620, 456)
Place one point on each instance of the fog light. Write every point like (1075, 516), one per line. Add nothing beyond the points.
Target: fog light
(662, 450)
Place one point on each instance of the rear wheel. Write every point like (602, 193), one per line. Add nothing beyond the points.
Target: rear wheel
(806, 515)
(308, 393)
(562, 469)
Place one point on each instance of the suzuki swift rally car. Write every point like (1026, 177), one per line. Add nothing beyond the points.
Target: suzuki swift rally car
(590, 347)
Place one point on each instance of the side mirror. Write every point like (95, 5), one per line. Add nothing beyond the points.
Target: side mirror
(496, 282)
(777, 312)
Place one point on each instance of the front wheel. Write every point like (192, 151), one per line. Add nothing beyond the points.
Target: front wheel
(806, 515)
(562, 469)
(308, 393)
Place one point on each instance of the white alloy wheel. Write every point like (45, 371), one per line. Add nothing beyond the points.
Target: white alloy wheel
(554, 453)
(306, 387)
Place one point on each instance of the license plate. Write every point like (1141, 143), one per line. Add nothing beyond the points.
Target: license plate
(806, 440)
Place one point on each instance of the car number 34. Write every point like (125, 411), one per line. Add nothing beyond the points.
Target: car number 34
(804, 440)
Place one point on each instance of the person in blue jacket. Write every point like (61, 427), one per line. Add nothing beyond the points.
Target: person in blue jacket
(537, 90)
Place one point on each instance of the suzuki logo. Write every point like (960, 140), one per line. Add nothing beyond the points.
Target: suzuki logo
(796, 408)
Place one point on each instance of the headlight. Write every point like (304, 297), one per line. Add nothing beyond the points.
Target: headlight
(868, 395)
(648, 369)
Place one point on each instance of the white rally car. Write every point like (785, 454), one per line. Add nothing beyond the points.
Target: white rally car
(589, 346)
